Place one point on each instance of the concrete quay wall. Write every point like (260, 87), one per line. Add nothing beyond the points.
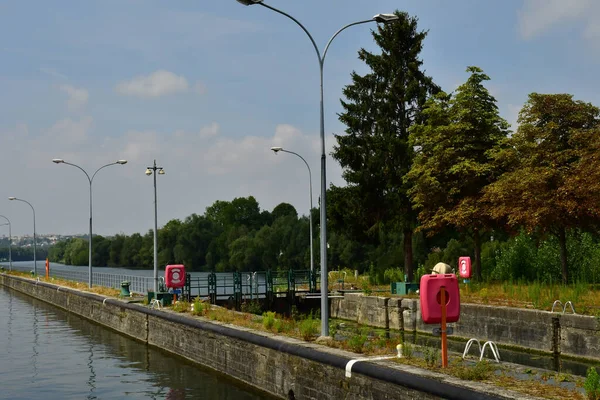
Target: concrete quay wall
(283, 367)
(567, 334)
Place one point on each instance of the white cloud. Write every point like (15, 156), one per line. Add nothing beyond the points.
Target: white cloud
(209, 131)
(157, 84)
(201, 166)
(539, 16)
(78, 97)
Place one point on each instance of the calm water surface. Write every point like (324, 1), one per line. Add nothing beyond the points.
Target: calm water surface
(51, 354)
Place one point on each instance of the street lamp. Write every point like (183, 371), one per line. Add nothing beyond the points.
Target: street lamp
(379, 18)
(9, 243)
(152, 171)
(278, 149)
(90, 180)
(34, 236)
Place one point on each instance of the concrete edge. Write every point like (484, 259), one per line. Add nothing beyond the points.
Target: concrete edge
(425, 384)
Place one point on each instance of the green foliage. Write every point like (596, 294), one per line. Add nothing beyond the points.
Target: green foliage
(366, 287)
(181, 306)
(454, 160)
(592, 384)
(393, 275)
(481, 371)
(408, 350)
(198, 307)
(431, 356)
(379, 108)
(251, 307)
(551, 181)
(268, 320)
(308, 327)
(357, 342)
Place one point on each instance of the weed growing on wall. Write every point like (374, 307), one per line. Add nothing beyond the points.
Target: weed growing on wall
(268, 320)
(592, 384)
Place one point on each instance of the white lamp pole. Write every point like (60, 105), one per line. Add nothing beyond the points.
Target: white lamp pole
(9, 243)
(90, 180)
(379, 18)
(152, 171)
(278, 149)
(34, 235)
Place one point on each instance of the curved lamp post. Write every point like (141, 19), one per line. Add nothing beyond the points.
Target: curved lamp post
(379, 18)
(34, 235)
(278, 149)
(153, 171)
(9, 242)
(90, 180)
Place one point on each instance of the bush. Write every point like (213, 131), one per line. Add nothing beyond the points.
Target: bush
(393, 275)
(592, 384)
(198, 308)
(431, 355)
(357, 343)
(309, 327)
(181, 306)
(251, 307)
(268, 320)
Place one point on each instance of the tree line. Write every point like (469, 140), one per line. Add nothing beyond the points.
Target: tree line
(430, 175)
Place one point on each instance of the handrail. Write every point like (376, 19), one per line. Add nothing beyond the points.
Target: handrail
(564, 307)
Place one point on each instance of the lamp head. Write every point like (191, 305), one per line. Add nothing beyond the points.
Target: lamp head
(148, 172)
(122, 162)
(12, 198)
(58, 160)
(276, 149)
(385, 18)
(161, 171)
(249, 2)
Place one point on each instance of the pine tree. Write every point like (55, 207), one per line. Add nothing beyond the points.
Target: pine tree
(379, 108)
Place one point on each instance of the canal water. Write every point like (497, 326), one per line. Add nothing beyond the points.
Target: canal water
(51, 354)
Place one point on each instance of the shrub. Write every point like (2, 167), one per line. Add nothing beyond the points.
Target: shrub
(592, 384)
(268, 320)
(308, 327)
(393, 275)
(181, 306)
(198, 308)
(251, 307)
(431, 355)
(357, 343)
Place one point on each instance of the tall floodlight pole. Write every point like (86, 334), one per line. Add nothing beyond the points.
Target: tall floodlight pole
(9, 243)
(379, 18)
(153, 171)
(90, 180)
(34, 235)
(278, 149)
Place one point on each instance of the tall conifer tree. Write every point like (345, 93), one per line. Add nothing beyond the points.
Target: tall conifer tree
(379, 108)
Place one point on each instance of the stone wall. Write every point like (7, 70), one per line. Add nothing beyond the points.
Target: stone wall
(568, 334)
(281, 366)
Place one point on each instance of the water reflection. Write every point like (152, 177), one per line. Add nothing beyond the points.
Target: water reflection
(69, 357)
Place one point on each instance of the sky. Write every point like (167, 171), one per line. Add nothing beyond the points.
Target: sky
(206, 88)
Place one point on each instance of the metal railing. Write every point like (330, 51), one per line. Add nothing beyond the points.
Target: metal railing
(137, 284)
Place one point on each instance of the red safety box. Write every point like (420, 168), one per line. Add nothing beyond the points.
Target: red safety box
(464, 267)
(431, 310)
(175, 276)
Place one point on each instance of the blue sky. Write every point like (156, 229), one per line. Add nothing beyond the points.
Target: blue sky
(206, 88)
